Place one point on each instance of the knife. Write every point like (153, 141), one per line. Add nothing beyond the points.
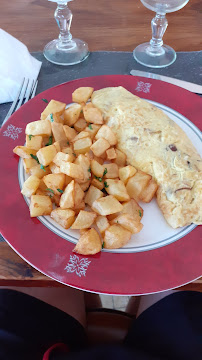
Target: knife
(195, 88)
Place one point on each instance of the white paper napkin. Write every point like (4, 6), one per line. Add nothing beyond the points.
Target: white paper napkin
(15, 64)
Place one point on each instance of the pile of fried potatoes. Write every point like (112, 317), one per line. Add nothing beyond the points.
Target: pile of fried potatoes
(79, 177)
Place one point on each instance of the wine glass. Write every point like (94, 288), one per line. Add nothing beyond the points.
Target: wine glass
(65, 50)
(154, 53)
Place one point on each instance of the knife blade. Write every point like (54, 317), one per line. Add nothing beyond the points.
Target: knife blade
(195, 88)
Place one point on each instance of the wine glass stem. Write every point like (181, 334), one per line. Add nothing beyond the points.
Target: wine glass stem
(63, 17)
(158, 24)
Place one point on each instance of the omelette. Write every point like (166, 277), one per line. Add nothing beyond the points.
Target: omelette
(156, 145)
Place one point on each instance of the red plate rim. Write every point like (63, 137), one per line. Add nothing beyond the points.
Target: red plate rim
(147, 272)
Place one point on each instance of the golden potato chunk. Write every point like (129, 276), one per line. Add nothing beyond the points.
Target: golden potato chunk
(55, 118)
(116, 237)
(97, 169)
(84, 163)
(128, 223)
(92, 129)
(79, 207)
(39, 171)
(38, 127)
(46, 154)
(92, 195)
(34, 141)
(111, 154)
(84, 220)
(98, 184)
(78, 194)
(30, 186)
(64, 217)
(82, 94)
(133, 209)
(55, 182)
(126, 172)
(69, 132)
(148, 193)
(120, 158)
(106, 133)
(58, 132)
(67, 198)
(137, 184)
(72, 114)
(84, 186)
(80, 124)
(81, 135)
(112, 171)
(60, 157)
(54, 168)
(92, 114)
(82, 146)
(99, 147)
(40, 205)
(117, 189)
(72, 170)
(28, 164)
(54, 107)
(24, 152)
(89, 243)
(102, 223)
(107, 205)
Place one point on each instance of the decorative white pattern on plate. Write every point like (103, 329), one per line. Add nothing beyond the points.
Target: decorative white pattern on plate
(79, 266)
(12, 132)
(142, 86)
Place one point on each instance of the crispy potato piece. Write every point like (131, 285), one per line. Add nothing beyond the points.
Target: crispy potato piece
(55, 118)
(137, 183)
(116, 237)
(30, 186)
(84, 186)
(112, 217)
(82, 94)
(55, 182)
(40, 205)
(133, 209)
(79, 207)
(97, 169)
(46, 154)
(39, 171)
(64, 217)
(34, 142)
(106, 133)
(107, 205)
(99, 160)
(89, 155)
(117, 189)
(24, 152)
(57, 146)
(69, 132)
(111, 154)
(42, 186)
(84, 163)
(28, 164)
(99, 147)
(54, 107)
(84, 220)
(102, 224)
(54, 168)
(60, 157)
(92, 195)
(58, 132)
(126, 172)
(73, 170)
(81, 135)
(71, 114)
(80, 124)
(120, 158)
(89, 243)
(148, 193)
(78, 194)
(67, 198)
(82, 146)
(128, 223)
(69, 151)
(68, 179)
(92, 114)
(112, 171)
(38, 127)
(92, 129)
(98, 184)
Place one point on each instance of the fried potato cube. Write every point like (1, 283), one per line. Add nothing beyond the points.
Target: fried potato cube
(89, 155)
(38, 127)
(106, 133)
(55, 182)
(54, 168)
(82, 146)
(57, 146)
(24, 152)
(92, 114)
(79, 207)
(84, 220)
(54, 107)
(92, 129)
(107, 205)
(111, 154)
(58, 132)
(84, 186)
(42, 186)
(116, 237)
(46, 154)
(68, 179)
(112, 171)
(99, 147)
(80, 124)
(60, 157)
(69, 132)
(67, 198)
(81, 135)
(117, 189)
(137, 183)
(128, 223)
(82, 94)
(102, 223)
(98, 159)
(148, 193)
(126, 172)
(78, 194)
(28, 164)
(84, 163)
(133, 209)
(97, 169)
(89, 243)
(38, 171)
(64, 217)
(40, 205)
(34, 142)
(30, 186)
(92, 195)
(98, 184)
(69, 151)
(120, 158)
(73, 170)
(55, 118)
(71, 114)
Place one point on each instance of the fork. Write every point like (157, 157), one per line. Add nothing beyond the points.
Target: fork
(26, 91)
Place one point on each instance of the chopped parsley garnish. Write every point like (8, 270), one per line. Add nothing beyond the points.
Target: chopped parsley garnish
(89, 169)
(60, 191)
(30, 136)
(117, 222)
(103, 245)
(67, 142)
(81, 111)
(50, 141)
(34, 157)
(90, 127)
(45, 100)
(140, 213)
(74, 154)
(51, 117)
(105, 171)
(48, 189)
(105, 184)
(98, 178)
(42, 167)
(51, 196)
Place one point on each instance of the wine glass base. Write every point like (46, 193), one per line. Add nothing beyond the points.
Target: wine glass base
(143, 55)
(74, 52)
